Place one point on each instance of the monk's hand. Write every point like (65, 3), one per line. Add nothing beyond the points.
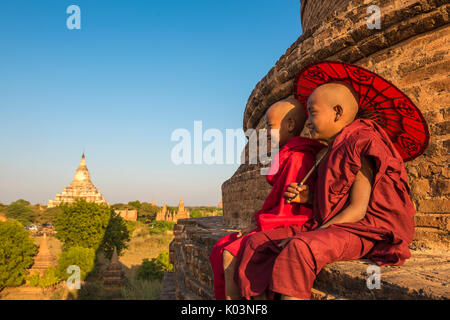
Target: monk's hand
(246, 230)
(284, 242)
(296, 193)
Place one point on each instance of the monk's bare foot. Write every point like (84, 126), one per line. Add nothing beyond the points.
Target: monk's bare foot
(284, 297)
(229, 266)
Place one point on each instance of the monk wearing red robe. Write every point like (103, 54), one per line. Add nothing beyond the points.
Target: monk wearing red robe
(285, 120)
(361, 205)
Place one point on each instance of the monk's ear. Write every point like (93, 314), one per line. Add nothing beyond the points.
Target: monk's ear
(339, 112)
(290, 124)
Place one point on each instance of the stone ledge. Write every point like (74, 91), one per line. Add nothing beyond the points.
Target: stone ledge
(425, 276)
(169, 287)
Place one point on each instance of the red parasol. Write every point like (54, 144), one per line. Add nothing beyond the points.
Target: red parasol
(379, 100)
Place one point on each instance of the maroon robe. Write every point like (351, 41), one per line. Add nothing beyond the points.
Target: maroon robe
(382, 236)
(295, 159)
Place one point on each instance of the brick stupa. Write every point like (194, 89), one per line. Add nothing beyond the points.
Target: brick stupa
(113, 276)
(411, 49)
(166, 215)
(80, 188)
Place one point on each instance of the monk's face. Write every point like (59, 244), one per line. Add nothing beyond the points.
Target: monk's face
(277, 131)
(331, 107)
(321, 120)
(285, 119)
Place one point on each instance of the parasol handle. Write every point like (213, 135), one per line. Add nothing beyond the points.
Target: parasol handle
(316, 164)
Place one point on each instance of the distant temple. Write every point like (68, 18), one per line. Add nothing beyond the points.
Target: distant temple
(80, 188)
(166, 215)
(129, 215)
(113, 276)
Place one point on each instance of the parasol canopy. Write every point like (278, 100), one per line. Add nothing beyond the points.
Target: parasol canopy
(379, 100)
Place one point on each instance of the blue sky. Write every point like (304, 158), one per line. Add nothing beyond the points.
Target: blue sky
(118, 88)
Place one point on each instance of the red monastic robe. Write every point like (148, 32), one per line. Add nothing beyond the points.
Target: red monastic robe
(295, 159)
(382, 236)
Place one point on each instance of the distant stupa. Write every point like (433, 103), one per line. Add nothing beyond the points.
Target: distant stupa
(165, 214)
(80, 188)
(113, 276)
(182, 213)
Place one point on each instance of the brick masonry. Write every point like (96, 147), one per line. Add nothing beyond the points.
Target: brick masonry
(412, 51)
(424, 276)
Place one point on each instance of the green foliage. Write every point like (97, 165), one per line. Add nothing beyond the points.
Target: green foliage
(48, 215)
(139, 289)
(33, 279)
(89, 225)
(147, 211)
(131, 226)
(197, 212)
(155, 268)
(160, 227)
(50, 278)
(20, 211)
(79, 256)
(89, 291)
(119, 206)
(201, 213)
(82, 224)
(3, 207)
(116, 235)
(135, 204)
(16, 253)
(21, 202)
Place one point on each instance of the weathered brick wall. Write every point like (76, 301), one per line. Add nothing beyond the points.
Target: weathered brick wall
(316, 12)
(423, 276)
(411, 50)
(244, 192)
(189, 254)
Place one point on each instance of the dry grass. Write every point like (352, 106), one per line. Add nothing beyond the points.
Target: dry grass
(142, 289)
(143, 245)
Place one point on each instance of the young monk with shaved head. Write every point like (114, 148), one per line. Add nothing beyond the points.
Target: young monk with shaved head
(285, 120)
(361, 205)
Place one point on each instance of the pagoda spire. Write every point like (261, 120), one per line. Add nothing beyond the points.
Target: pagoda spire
(80, 187)
(82, 173)
(181, 205)
(83, 160)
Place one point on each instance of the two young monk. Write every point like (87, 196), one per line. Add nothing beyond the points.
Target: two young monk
(361, 206)
(285, 120)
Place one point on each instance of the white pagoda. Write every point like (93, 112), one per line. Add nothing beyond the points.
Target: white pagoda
(80, 188)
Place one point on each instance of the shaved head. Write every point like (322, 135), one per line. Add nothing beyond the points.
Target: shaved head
(339, 93)
(331, 107)
(289, 108)
(288, 116)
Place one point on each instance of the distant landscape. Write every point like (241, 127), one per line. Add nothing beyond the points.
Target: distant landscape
(142, 247)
